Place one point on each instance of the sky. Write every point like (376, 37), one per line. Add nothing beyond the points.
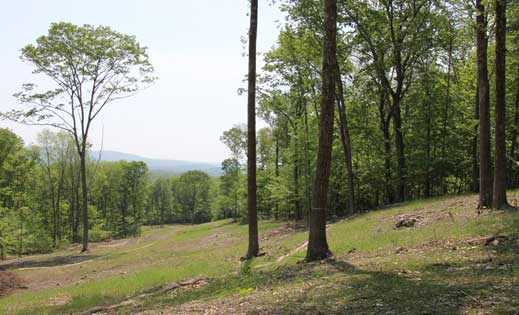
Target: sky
(196, 49)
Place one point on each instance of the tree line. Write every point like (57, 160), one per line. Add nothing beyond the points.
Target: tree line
(41, 204)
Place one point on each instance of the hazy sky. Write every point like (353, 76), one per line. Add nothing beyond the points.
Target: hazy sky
(195, 47)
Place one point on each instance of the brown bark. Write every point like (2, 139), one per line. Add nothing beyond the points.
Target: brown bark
(253, 249)
(385, 122)
(308, 177)
(84, 189)
(499, 201)
(475, 155)
(317, 243)
(445, 123)
(276, 213)
(428, 127)
(512, 167)
(485, 164)
(400, 150)
(346, 141)
(298, 215)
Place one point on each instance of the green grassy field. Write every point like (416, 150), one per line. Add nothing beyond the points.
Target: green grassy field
(442, 265)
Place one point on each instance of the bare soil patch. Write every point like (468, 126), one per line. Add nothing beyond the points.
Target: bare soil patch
(9, 282)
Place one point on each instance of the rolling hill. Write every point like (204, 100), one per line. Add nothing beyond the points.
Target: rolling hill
(451, 260)
(162, 166)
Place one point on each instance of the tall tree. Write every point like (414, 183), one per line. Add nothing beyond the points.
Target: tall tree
(485, 164)
(253, 249)
(91, 67)
(345, 140)
(396, 33)
(500, 201)
(317, 243)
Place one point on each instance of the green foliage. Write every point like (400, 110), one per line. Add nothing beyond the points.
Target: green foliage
(98, 235)
(120, 194)
(191, 191)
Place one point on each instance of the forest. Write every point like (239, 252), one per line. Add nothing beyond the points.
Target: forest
(407, 126)
(364, 105)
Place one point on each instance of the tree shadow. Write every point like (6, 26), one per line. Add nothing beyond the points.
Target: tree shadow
(432, 289)
(50, 262)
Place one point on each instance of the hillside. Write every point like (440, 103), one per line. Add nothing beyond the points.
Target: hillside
(452, 261)
(161, 166)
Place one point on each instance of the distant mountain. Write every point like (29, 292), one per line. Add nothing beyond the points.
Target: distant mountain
(161, 166)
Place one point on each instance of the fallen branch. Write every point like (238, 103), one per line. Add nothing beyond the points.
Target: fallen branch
(133, 300)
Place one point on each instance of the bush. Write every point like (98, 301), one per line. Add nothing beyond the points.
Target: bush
(37, 242)
(98, 235)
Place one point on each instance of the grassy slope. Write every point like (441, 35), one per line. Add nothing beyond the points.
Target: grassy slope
(441, 267)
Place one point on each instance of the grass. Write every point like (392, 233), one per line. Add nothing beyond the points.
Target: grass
(441, 266)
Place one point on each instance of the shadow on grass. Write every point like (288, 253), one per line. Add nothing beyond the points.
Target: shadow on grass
(337, 287)
(478, 285)
(50, 262)
(350, 290)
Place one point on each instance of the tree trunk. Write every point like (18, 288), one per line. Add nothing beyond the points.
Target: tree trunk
(445, 122)
(317, 244)
(346, 141)
(512, 167)
(499, 201)
(475, 156)
(84, 189)
(399, 144)
(308, 177)
(428, 127)
(276, 213)
(485, 165)
(253, 249)
(385, 123)
(297, 201)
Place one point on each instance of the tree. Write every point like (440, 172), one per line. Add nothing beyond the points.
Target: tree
(485, 166)
(192, 194)
(499, 198)
(132, 191)
(236, 140)
(395, 33)
(16, 170)
(91, 68)
(317, 243)
(160, 202)
(229, 197)
(54, 150)
(253, 248)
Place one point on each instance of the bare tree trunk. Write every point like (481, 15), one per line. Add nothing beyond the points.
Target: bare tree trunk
(317, 243)
(385, 122)
(399, 144)
(276, 213)
(297, 201)
(253, 249)
(485, 165)
(445, 123)
(84, 189)
(308, 177)
(475, 156)
(512, 168)
(346, 141)
(428, 126)
(499, 201)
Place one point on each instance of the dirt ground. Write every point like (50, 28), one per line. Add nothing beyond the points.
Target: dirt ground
(9, 282)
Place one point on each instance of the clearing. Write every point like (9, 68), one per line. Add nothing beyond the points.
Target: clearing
(449, 260)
